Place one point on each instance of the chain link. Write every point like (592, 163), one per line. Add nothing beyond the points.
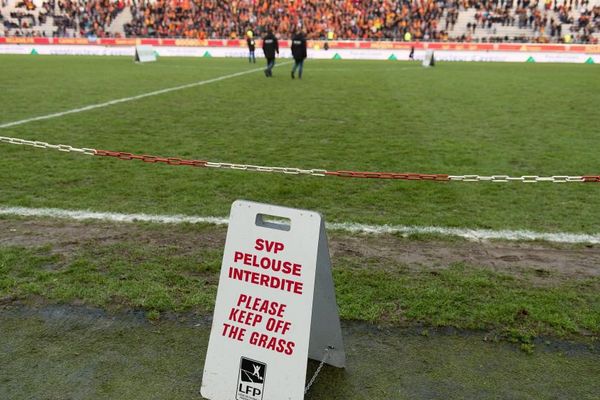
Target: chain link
(524, 178)
(260, 168)
(388, 175)
(44, 145)
(299, 171)
(318, 371)
(151, 159)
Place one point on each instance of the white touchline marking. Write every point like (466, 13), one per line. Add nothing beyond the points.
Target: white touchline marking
(112, 217)
(470, 234)
(133, 98)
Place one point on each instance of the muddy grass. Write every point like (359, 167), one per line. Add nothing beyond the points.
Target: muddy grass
(66, 352)
(50, 351)
(578, 261)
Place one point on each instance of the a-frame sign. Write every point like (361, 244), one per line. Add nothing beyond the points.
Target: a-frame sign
(275, 306)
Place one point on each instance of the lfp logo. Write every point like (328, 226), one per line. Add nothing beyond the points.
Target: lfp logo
(251, 380)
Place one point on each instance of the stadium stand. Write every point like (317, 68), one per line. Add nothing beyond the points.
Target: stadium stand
(63, 18)
(576, 21)
(524, 20)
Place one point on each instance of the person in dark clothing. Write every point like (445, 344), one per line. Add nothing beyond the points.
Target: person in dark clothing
(251, 47)
(412, 53)
(299, 53)
(270, 48)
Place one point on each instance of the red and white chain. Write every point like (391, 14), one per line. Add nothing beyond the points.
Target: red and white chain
(298, 171)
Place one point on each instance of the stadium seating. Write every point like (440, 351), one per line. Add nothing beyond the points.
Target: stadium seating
(64, 18)
(547, 21)
(462, 20)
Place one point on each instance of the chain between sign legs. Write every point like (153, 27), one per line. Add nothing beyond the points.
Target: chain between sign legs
(323, 361)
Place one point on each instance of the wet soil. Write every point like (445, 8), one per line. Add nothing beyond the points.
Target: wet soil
(67, 352)
(73, 352)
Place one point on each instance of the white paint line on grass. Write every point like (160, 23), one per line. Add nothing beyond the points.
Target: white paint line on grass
(133, 98)
(470, 234)
(81, 215)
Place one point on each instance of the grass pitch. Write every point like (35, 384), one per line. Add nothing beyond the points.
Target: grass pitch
(457, 118)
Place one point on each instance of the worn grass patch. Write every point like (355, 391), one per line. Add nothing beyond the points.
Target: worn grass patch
(469, 297)
(162, 278)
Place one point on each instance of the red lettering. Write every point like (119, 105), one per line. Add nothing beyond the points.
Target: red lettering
(233, 314)
(262, 305)
(238, 255)
(254, 338)
(269, 246)
(289, 350)
(280, 309)
(236, 273)
(262, 340)
(286, 269)
(241, 299)
(257, 278)
(264, 280)
(275, 265)
(245, 317)
(265, 263)
(259, 245)
(274, 247)
(278, 247)
(272, 343)
(278, 326)
(233, 332)
(298, 287)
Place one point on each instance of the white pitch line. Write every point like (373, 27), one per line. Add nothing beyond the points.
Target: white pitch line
(470, 234)
(133, 98)
(81, 215)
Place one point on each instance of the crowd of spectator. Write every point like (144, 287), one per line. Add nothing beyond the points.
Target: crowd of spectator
(344, 19)
(321, 19)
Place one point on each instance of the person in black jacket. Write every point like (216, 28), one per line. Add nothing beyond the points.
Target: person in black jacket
(270, 47)
(251, 47)
(299, 53)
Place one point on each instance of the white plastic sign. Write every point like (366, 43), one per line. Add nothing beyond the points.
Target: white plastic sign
(275, 306)
(145, 54)
(429, 59)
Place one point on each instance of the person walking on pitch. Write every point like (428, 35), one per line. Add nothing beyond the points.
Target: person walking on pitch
(270, 48)
(299, 53)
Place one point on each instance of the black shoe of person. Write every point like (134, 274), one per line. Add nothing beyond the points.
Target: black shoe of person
(293, 76)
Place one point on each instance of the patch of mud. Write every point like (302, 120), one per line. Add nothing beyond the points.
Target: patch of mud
(67, 236)
(543, 260)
